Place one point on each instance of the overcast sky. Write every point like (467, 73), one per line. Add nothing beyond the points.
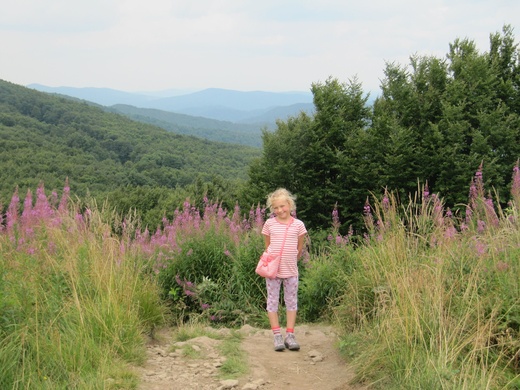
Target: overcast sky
(268, 45)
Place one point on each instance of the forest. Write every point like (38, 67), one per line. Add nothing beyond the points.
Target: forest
(49, 139)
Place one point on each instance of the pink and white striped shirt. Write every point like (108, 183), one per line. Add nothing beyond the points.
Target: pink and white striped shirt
(276, 231)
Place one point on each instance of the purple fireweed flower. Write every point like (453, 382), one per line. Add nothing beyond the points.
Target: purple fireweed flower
(29, 231)
(205, 306)
(469, 213)
(386, 202)
(27, 208)
(335, 218)
(51, 247)
(479, 183)
(79, 219)
(42, 208)
(259, 216)
(54, 199)
(480, 248)
(367, 209)
(502, 266)
(449, 214)
(12, 211)
(221, 213)
(341, 240)
(450, 232)
(426, 191)
(227, 253)
(515, 186)
(473, 193)
(64, 197)
(481, 226)
(478, 174)
(490, 211)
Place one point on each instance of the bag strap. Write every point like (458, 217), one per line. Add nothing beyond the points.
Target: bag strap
(285, 235)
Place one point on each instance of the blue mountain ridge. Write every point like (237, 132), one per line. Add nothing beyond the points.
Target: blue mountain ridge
(213, 103)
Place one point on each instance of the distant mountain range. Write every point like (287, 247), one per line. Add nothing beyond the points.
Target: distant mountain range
(253, 107)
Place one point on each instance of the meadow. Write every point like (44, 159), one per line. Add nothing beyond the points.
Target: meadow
(423, 298)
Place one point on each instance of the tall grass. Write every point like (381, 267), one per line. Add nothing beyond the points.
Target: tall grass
(73, 310)
(434, 300)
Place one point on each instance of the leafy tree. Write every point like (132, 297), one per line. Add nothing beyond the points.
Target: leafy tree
(309, 155)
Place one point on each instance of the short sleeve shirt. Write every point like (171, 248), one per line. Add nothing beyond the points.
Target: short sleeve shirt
(276, 231)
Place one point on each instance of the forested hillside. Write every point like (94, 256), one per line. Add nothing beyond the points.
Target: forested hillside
(45, 138)
(210, 129)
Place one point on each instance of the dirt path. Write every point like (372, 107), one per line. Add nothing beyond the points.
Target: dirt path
(316, 366)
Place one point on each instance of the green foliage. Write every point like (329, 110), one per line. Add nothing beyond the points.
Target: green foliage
(435, 121)
(211, 276)
(428, 305)
(322, 283)
(46, 138)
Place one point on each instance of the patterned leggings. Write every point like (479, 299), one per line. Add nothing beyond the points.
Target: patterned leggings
(290, 293)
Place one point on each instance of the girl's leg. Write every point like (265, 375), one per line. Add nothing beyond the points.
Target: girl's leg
(290, 290)
(291, 319)
(273, 297)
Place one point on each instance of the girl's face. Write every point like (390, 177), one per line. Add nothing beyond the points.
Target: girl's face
(281, 208)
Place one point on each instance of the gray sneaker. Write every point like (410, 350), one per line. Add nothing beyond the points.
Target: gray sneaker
(278, 343)
(290, 342)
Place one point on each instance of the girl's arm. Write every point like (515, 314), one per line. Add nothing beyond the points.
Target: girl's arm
(267, 241)
(301, 241)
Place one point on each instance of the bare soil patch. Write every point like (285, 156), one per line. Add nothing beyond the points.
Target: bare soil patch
(317, 365)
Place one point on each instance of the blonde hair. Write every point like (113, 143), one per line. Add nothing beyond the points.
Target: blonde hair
(281, 193)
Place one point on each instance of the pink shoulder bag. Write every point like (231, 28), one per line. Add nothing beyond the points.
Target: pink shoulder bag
(268, 264)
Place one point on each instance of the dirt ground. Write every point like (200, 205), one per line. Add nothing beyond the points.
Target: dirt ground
(316, 366)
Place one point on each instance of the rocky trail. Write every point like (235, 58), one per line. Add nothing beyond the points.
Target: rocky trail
(317, 365)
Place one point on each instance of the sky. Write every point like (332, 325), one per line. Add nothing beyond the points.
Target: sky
(246, 45)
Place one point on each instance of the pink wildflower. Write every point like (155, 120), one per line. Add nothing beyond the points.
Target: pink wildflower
(335, 218)
(426, 192)
(12, 211)
(367, 209)
(27, 208)
(515, 186)
(480, 248)
(450, 232)
(64, 197)
(502, 266)
(386, 202)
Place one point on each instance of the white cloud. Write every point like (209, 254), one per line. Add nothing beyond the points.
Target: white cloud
(237, 44)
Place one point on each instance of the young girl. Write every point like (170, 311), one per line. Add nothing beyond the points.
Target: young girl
(281, 203)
